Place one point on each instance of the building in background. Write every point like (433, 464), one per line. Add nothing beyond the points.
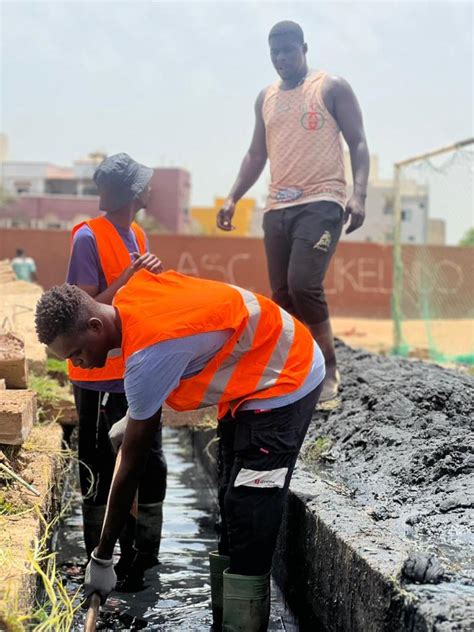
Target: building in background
(170, 200)
(378, 225)
(42, 195)
(436, 232)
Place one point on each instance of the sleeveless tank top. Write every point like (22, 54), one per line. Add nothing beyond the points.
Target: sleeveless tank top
(304, 146)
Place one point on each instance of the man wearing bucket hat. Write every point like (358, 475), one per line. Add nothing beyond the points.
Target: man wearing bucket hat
(106, 253)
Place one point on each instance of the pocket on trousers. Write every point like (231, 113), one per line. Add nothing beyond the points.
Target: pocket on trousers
(274, 441)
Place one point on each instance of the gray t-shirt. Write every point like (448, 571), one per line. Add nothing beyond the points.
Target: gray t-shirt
(152, 373)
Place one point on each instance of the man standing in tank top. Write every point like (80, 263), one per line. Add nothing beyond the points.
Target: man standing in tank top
(299, 122)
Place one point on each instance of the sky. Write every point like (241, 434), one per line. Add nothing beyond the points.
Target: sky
(174, 83)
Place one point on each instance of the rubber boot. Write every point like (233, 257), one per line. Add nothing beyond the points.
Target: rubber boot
(127, 549)
(148, 533)
(322, 333)
(217, 565)
(93, 518)
(147, 546)
(246, 603)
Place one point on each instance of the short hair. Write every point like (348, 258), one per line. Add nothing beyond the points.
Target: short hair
(288, 28)
(60, 310)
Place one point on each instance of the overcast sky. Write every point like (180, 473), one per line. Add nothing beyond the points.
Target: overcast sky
(173, 83)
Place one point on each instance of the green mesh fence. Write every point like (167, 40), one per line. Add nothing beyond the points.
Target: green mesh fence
(433, 298)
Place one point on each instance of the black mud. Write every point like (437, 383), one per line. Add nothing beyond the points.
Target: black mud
(400, 449)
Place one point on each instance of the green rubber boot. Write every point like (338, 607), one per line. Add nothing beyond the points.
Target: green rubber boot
(217, 565)
(246, 603)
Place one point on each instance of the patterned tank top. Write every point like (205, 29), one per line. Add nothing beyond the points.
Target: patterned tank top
(304, 146)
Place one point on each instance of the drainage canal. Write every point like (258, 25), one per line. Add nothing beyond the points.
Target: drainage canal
(177, 593)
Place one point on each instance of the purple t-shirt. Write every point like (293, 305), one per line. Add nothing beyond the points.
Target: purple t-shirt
(85, 269)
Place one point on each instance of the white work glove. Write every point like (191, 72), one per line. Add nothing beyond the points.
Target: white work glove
(117, 432)
(100, 578)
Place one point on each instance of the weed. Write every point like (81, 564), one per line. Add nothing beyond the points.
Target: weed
(54, 365)
(316, 450)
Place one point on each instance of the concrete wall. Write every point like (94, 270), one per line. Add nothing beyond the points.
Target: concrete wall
(358, 282)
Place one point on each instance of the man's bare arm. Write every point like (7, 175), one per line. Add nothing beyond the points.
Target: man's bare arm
(343, 105)
(250, 169)
(135, 447)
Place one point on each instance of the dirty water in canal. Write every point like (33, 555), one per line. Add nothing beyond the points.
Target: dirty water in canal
(177, 591)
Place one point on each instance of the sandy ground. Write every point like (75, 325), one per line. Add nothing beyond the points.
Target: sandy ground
(17, 309)
(450, 337)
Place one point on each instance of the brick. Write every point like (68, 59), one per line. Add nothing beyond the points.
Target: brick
(17, 415)
(13, 367)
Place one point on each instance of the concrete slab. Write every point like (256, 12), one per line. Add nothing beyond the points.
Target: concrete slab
(17, 415)
(13, 369)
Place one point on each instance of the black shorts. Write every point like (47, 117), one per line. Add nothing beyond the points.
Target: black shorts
(299, 243)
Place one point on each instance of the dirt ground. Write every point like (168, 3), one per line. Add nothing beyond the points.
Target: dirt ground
(402, 441)
(17, 309)
(451, 337)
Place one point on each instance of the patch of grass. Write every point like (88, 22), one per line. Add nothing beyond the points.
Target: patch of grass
(315, 450)
(54, 365)
(8, 508)
(48, 394)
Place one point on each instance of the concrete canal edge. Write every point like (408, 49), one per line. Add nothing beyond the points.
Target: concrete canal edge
(337, 568)
(341, 571)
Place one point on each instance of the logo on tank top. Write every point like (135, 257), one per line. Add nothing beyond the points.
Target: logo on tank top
(288, 195)
(313, 119)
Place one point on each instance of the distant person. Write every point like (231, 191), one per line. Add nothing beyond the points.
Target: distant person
(106, 252)
(24, 267)
(198, 343)
(299, 121)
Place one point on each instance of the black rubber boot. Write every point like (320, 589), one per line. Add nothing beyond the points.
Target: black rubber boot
(217, 565)
(127, 549)
(92, 518)
(147, 547)
(246, 603)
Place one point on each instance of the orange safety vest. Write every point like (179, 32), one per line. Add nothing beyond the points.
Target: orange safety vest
(114, 259)
(269, 354)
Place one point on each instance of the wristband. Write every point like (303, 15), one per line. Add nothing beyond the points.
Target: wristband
(104, 563)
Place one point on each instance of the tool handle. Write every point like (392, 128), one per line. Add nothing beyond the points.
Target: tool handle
(92, 613)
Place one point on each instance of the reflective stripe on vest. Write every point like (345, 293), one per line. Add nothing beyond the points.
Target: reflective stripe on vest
(114, 259)
(244, 344)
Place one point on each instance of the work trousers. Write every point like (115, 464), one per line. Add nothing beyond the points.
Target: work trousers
(97, 412)
(257, 455)
(299, 243)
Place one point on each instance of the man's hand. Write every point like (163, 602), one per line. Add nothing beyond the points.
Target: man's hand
(355, 209)
(147, 261)
(100, 578)
(225, 215)
(117, 432)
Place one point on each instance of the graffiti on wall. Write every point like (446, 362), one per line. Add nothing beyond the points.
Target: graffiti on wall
(215, 264)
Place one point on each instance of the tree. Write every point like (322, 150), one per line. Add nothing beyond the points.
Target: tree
(468, 238)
